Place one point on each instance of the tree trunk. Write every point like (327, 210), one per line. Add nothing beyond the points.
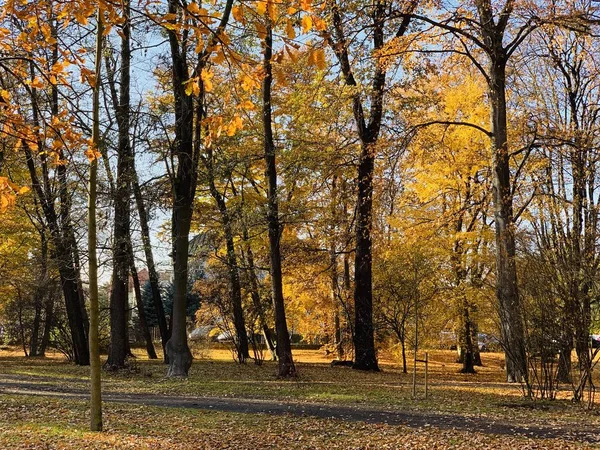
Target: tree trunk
(94, 349)
(119, 302)
(48, 318)
(40, 293)
(255, 295)
(152, 273)
(507, 293)
(65, 247)
(364, 340)
(468, 360)
(184, 189)
(140, 308)
(232, 265)
(284, 347)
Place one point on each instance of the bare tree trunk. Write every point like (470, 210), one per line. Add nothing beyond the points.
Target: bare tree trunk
(163, 327)
(184, 189)
(48, 318)
(119, 302)
(39, 295)
(232, 264)
(140, 309)
(255, 295)
(94, 349)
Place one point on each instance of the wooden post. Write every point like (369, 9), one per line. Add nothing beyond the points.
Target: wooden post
(426, 373)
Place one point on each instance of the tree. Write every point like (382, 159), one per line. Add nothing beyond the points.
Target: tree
(284, 348)
(368, 128)
(95, 370)
(122, 251)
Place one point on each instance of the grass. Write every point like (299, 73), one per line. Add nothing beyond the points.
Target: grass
(35, 422)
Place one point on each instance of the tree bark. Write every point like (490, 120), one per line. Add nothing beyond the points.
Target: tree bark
(232, 264)
(284, 347)
(507, 293)
(41, 291)
(255, 295)
(94, 349)
(184, 188)
(368, 132)
(140, 308)
(119, 302)
(163, 327)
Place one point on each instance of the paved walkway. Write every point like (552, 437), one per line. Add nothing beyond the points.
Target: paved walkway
(361, 413)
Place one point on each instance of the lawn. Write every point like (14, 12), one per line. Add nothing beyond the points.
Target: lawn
(40, 421)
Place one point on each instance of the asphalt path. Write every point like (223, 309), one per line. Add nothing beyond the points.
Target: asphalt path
(357, 413)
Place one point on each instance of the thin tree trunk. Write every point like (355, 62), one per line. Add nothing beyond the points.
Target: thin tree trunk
(232, 264)
(255, 295)
(48, 319)
(94, 349)
(140, 308)
(284, 348)
(40, 293)
(152, 273)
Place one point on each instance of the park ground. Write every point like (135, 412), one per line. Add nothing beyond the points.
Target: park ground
(223, 405)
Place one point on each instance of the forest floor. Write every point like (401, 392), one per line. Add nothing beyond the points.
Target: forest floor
(43, 404)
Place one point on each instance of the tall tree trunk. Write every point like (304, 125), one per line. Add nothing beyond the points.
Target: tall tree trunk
(48, 319)
(507, 293)
(364, 340)
(119, 302)
(94, 348)
(284, 347)
(65, 247)
(368, 132)
(41, 291)
(255, 295)
(66, 267)
(334, 276)
(232, 264)
(140, 309)
(184, 188)
(163, 327)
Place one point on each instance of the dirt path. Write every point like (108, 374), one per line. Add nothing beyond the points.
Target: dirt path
(320, 410)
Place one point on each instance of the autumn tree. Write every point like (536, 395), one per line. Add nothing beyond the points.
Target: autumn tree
(383, 22)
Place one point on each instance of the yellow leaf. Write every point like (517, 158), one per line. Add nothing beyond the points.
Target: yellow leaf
(189, 86)
(206, 76)
(261, 7)
(92, 155)
(219, 57)
(247, 105)
(319, 24)
(320, 59)
(307, 24)
(305, 5)
(24, 190)
(289, 29)
(291, 54)
(238, 13)
(261, 30)
(193, 8)
(37, 83)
